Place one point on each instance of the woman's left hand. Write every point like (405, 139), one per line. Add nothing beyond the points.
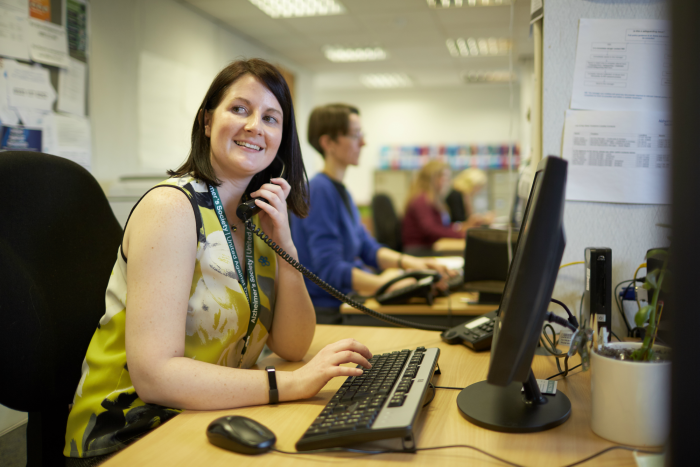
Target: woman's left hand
(275, 221)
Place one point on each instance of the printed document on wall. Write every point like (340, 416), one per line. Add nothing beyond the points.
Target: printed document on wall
(618, 157)
(14, 39)
(622, 65)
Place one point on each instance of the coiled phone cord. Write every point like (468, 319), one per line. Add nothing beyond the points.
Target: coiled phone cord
(333, 291)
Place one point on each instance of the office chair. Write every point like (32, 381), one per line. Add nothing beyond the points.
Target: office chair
(58, 243)
(387, 225)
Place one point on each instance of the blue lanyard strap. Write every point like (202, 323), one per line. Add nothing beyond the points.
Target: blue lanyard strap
(250, 266)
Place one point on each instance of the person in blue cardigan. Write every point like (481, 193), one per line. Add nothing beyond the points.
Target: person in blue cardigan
(331, 241)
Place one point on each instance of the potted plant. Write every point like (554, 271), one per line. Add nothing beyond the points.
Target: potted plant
(630, 382)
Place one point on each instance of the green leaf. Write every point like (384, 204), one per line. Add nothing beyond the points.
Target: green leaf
(642, 315)
(657, 253)
(666, 284)
(651, 279)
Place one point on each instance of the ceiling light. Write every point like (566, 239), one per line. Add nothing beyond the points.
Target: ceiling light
(482, 76)
(473, 47)
(461, 3)
(297, 8)
(361, 54)
(386, 80)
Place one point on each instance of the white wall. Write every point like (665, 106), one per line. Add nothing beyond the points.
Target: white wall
(122, 31)
(10, 419)
(477, 113)
(629, 230)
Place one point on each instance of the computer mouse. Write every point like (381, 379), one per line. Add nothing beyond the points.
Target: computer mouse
(240, 434)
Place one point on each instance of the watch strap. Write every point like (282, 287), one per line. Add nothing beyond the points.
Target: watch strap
(272, 379)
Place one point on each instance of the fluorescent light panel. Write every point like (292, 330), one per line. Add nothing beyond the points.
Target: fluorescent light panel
(361, 54)
(461, 3)
(297, 8)
(492, 76)
(386, 80)
(475, 47)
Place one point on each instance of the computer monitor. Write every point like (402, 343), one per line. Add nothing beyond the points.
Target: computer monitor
(486, 262)
(498, 403)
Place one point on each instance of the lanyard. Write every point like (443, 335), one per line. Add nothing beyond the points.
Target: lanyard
(250, 266)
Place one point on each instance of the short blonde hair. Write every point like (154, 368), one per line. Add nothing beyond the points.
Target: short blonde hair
(425, 180)
(469, 180)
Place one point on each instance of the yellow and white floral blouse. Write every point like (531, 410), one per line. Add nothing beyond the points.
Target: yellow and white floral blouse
(107, 412)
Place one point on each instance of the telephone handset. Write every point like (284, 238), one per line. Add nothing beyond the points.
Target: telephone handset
(248, 209)
(422, 288)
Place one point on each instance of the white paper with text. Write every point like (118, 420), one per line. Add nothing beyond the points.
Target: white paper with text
(622, 65)
(618, 157)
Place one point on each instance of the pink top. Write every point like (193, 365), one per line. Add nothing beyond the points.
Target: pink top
(422, 224)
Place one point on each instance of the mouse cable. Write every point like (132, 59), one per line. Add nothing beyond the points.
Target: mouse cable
(332, 290)
(448, 387)
(398, 451)
(467, 446)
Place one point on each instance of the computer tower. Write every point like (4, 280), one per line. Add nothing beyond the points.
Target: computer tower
(597, 301)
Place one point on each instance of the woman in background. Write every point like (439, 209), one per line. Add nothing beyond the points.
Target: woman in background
(459, 200)
(331, 240)
(427, 219)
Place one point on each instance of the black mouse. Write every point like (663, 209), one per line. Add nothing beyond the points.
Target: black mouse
(240, 434)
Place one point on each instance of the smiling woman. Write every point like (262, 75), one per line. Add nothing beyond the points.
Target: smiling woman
(197, 316)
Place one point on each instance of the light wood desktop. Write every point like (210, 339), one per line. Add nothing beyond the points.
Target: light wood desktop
(458, 303)
(183, 441)
(450, 245)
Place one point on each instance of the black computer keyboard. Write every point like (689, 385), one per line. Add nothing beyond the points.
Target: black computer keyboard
(381, 404)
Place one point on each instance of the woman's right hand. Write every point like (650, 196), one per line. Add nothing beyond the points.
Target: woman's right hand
(326, 365)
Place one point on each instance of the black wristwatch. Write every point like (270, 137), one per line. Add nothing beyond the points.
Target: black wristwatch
(272, 379)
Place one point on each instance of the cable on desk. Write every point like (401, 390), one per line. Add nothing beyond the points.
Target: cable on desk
(551, 347)
(397, 451)
(615, 336)
(612, 448)
(448, 387)
(564, 373)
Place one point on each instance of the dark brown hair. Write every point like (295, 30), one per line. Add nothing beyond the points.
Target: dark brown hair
(332, 120)
(198, 162)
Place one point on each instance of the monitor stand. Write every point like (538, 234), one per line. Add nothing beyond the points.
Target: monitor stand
(509, 410)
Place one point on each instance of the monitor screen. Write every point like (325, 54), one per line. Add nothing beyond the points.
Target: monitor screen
(497, 403)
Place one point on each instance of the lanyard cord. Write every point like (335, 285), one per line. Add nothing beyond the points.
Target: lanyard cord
(254, 297)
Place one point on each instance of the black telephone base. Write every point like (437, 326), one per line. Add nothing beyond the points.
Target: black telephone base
(477, 333)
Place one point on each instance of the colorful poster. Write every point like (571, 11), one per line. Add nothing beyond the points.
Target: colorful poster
(76, 24)
(40, 9)
(19, 138)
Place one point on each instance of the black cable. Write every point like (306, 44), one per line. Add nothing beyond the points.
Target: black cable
(615, 336)
(572, 318)
(448, 387)
(562, 373)
(332, 290)
(398, 451)
(612, 448)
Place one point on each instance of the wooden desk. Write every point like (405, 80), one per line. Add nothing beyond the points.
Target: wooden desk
(450, 245)
(182, 440)
(458, 304)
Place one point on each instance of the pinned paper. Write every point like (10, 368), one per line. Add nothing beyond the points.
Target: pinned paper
(71, 88)
(14, 32)
(48, 43)
(29, 86)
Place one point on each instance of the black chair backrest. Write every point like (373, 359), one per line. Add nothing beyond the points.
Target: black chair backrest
(387, 226)
(58, 243)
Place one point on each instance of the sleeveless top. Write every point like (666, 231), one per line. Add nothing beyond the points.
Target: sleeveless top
(107, 412)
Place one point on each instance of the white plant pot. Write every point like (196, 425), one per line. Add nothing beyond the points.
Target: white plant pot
(631, 400)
